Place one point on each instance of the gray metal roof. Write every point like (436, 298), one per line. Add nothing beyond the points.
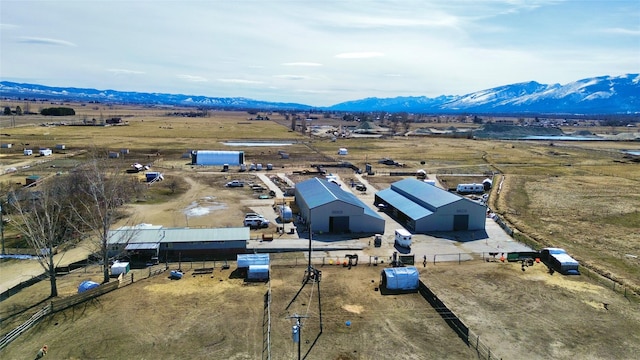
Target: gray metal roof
(421, 191)
(317, 192)
(208, 234)
(158, 234)
(416, 198)
(410, 208)
(145, 246)
(133, 235)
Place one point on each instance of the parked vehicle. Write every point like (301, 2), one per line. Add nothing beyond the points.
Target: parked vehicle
(470, 188)
(252, 214)
(560, 261)
(256, 222)
(235, 183)
(403, 238)
(377, 240)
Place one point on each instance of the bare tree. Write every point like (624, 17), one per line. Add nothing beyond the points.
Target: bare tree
(100, 192)
(44, 220)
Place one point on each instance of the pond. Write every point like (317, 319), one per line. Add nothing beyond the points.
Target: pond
(257, 143)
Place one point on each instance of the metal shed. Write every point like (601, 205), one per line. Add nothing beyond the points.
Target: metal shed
(146, 241)
(212, 157)
(423, 208)
(120, 268)
(330, 209)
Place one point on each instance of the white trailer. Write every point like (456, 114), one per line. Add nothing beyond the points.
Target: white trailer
(470, 188)
(403, 238)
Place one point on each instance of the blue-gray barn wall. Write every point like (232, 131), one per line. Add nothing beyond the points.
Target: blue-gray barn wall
(320, 215)
(215, 245)
(366, 224)
(442, 219)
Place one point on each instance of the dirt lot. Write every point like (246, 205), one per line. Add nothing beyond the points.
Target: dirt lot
(218, 315)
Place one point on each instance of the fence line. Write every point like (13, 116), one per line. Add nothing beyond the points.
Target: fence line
(266, 332)
(61, 304)
(34, 319)
(456, 324)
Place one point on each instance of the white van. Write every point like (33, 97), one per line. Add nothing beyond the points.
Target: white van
(403, 238)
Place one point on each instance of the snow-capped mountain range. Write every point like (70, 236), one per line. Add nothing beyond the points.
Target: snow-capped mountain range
(597, 95)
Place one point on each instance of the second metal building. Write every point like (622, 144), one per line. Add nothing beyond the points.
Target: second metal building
(423, 208)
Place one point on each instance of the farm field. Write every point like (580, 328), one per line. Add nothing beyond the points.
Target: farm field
(218, 315)
(582, 196)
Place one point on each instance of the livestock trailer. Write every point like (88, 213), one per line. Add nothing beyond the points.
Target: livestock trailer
(560, 261)
(403, 238)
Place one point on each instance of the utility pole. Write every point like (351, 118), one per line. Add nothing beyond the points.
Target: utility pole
(2, 229)
(297, 330)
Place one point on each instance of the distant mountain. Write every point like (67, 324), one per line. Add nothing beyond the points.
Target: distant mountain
(598, 95)
(11, 89)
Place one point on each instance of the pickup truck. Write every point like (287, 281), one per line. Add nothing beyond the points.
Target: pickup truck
(235, 183)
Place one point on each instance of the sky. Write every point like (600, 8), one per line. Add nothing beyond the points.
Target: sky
(317, 53)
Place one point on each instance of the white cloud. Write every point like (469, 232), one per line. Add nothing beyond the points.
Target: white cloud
(192, 78)
(291, 77)
(125, 72)
(301, 64)
(45, 41)
(359, 55)
(621, 31)
(240, 81)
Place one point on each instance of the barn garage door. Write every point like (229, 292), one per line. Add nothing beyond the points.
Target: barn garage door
(338, 224)
(460, 222)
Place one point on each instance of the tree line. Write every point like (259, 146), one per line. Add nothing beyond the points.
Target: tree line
(52, 111)
(62, 210)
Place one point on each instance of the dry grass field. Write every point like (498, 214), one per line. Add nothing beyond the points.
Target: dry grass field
(582, 196)
(529, 314)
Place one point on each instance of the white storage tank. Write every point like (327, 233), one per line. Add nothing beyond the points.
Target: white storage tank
(403, 238)
(284, 213)
(258, 272)
(246, 260)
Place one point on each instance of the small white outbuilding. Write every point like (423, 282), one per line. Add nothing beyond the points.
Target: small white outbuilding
(119, 268)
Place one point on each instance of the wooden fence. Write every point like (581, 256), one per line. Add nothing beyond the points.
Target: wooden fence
(34, 319)
(61, 304)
